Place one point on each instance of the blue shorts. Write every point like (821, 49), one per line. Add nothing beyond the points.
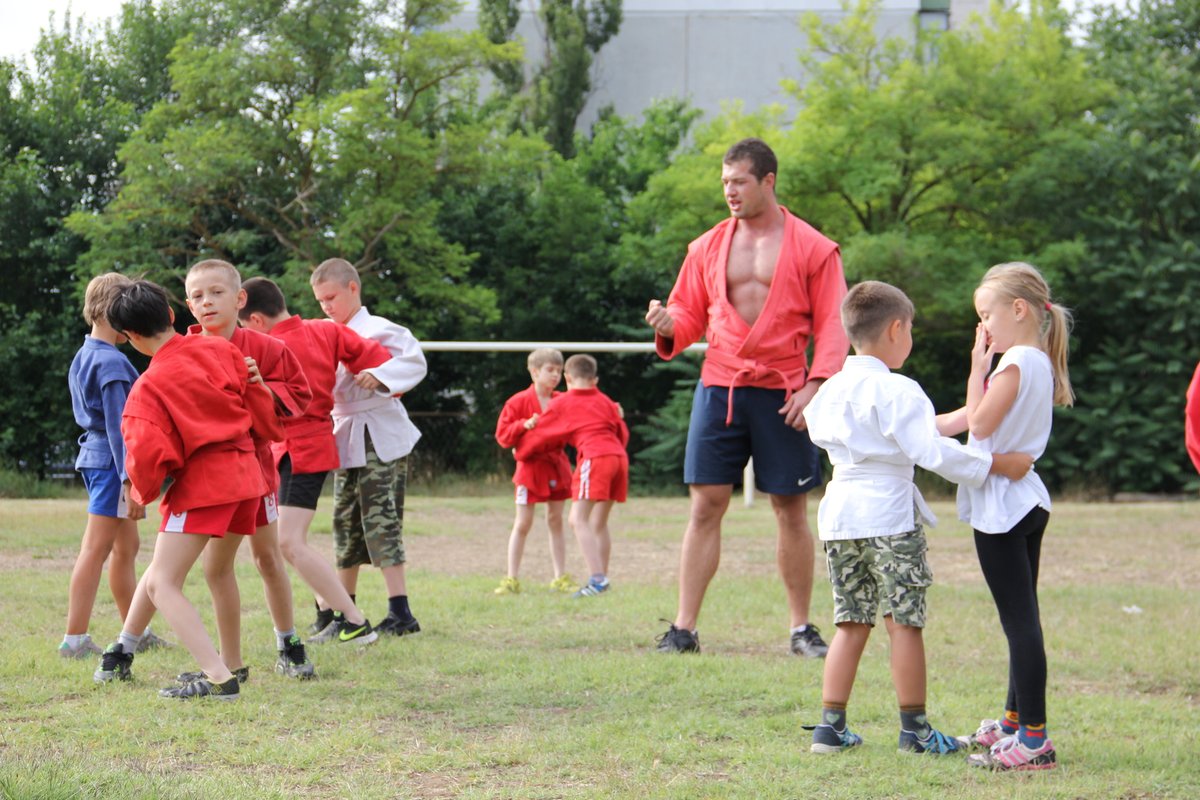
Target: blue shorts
(104, 492)
(785, 461)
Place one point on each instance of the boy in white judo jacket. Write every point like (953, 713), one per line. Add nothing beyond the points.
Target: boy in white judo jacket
(374, 437)
(876, 425)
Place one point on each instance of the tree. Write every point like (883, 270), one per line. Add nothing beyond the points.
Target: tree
(572, 31)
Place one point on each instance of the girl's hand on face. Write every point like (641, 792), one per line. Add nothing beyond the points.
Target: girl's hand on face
(983, 352)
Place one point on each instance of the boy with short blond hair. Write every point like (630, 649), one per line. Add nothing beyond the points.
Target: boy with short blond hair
(588, 420)
(374, 437)
(544, 478)
(876, 425)
(100, 378)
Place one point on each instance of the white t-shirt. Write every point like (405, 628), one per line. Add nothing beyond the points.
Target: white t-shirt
(1001, 503)
(876, 425)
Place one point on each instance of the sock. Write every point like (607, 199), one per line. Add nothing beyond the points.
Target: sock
(599, 579)
(398, 607)
(128, 641)
(913, 719)
(834, 715)
(73, 640)
(281, 638)
(800, 628)
(1010, 722)
(1032, 736)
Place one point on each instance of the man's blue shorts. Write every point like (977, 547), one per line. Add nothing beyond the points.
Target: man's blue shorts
(785, 461)
(104, 492)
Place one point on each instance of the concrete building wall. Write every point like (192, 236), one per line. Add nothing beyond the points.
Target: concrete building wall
(711, 52)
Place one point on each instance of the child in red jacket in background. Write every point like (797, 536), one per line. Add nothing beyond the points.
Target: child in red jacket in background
(1192, 421)
(588, 420)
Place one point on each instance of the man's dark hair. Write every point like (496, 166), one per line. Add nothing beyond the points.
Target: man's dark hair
(761, 157)
(142, 308)
(262, 297)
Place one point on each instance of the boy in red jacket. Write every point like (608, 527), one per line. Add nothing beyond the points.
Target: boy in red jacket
(588, 420)
(191, 416)
(544, 478)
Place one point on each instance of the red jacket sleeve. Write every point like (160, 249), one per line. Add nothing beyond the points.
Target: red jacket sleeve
(151, 453)
(552, 431)
(826, 290)
(1192, 421)
(687, 304)
(287, 381)
(358, 353)
(511, 425)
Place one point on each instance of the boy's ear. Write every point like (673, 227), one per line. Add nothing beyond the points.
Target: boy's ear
(171, 309)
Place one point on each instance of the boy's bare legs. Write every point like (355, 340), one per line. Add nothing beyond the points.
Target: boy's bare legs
(522, 524)
(794, 552)
(701, 550)
(908, 663)
(174, 556)
(102, 536)
(598, 522)
(219, 558)
(316, 571)
(269, 561)
(558, 543)
(581, 512)
(841, 664)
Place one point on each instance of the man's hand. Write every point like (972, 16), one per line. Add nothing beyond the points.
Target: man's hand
(368, 381)
(658, 318)
(793, 409)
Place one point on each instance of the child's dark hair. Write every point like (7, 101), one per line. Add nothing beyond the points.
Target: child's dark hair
(868, 309)
(581, 366)
(141, 307)
(262, 297)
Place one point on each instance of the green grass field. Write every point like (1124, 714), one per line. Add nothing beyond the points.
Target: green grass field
(541, 696)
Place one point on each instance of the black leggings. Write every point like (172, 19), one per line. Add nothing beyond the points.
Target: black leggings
(1010, 566)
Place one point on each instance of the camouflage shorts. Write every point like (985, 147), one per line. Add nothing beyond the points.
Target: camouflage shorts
(368, 513)
(891, 570)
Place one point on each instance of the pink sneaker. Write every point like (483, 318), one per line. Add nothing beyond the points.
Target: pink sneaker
(1010, 754)
(988, 734)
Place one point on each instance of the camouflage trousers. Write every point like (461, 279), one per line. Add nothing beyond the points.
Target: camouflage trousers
(368, 513)
(883, 570)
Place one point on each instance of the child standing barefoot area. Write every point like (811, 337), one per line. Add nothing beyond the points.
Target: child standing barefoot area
(544, 478)
(1011, 410)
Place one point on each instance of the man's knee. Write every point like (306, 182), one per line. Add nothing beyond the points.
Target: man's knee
(709, 504)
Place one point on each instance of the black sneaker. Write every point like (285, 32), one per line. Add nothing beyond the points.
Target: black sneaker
(241, 673)
(324, 617)
(115, 665)
(203, 687)
(293, 661)
(808, 643)
(679, 640)
(359, 634)
(395, 626)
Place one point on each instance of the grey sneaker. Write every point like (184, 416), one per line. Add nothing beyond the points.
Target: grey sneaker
(115, 665)
(241, 673)
(203, 687)
(327, 634)
(85, 649)
(293, 660)
(808, 643)
(828, 739)
(679, 640)
(152, 641)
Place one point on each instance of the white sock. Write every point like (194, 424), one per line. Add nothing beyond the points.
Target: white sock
(281, 638)
(800, 629)
(129, 642)
(73, 640)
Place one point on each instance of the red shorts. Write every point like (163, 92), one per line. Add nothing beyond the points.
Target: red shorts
(268, 510)
(601, 478)
(219, 520)
(527, 497)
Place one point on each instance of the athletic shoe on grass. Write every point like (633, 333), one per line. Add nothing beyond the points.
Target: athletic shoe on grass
(115, 665)
(936, 743)
(1010, 755)
(348, 632)
(508, 586)
(324, 617)
(203, 687)
(828, 739)
(988, 734)
(152, 641)
(241, 673)
(394, 626)
(85, 649)
(564, 584)
(293, 660)
(678, 640)
(592, 589)
(808, 643)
